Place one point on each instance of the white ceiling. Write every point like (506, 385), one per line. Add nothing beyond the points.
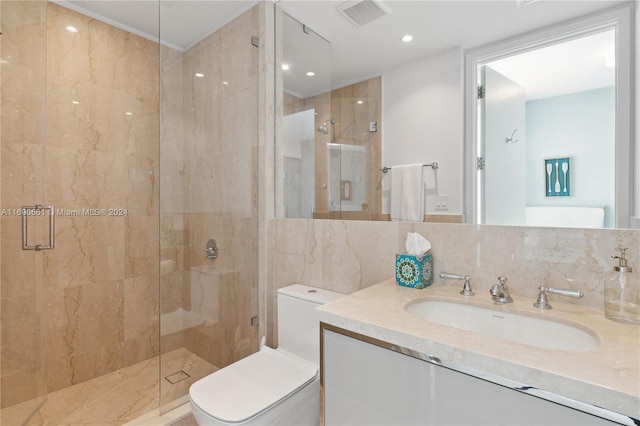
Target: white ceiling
(361, 52)
(180, 23)
(573, 66)
(355, 52)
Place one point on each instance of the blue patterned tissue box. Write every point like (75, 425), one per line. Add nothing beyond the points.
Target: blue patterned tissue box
(414, 271)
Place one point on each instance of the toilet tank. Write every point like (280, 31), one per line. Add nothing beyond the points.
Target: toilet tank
(298, 326)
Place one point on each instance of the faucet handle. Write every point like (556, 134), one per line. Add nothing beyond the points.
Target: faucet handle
(502, 279)
(466, 288)
(542, 296)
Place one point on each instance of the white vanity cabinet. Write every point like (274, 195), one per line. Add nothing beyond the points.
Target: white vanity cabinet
(368, 382)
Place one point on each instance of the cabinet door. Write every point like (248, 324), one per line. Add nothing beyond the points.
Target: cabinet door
(365, 384)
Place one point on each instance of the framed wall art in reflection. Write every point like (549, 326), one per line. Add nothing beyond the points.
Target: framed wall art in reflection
(557, 177)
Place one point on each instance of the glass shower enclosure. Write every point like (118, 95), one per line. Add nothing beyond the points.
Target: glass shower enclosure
(208, 187)
(122, 155)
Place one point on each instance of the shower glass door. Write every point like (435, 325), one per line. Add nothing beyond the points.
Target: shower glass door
(208, 191)
(23, 166)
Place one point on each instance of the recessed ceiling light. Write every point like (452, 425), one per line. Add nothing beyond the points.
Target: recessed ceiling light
(75, 102)
(360, 102)
(285, 67)
(128, 113)
(226, 83)
(72, 29)
(407, 38)
(311, 73)
(199, 75)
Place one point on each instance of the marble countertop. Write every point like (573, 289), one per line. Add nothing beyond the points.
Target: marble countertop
(606, 377)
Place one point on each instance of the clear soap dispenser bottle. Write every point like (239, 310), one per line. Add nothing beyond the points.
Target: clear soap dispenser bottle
(622, 292)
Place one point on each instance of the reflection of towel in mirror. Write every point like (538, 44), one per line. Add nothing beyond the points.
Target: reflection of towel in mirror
(407, 193)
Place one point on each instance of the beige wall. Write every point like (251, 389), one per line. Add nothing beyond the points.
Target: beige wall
(210, 138)
(22, 136)
(102, 276)
(346, 256)
(101, 279)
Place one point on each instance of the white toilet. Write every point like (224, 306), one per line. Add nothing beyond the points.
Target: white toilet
(273, 386)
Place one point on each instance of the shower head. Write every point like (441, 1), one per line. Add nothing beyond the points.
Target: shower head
(323, 129)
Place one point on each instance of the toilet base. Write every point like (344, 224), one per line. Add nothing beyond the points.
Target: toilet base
(301, 409)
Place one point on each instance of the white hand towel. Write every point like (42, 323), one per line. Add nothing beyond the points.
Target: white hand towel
(407, 193)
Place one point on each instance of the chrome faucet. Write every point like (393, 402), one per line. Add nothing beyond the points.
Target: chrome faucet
(500, 292)
(542, 297)
(466, 288)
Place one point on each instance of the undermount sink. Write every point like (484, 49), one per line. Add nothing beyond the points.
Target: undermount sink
(532, 331)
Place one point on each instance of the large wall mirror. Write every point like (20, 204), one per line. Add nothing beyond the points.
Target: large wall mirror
(376, 103)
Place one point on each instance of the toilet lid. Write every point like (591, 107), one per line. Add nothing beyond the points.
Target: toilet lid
(251, 385)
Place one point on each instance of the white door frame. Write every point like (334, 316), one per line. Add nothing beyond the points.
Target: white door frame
(619, 19)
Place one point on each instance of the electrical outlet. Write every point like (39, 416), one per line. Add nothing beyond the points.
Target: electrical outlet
(373, 126)
(442, 202)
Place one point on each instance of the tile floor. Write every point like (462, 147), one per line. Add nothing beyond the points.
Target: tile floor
(115, 398)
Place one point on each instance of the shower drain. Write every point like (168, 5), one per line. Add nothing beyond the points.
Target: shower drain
(177, 377)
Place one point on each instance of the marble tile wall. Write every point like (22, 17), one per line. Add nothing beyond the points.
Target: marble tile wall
(173, 239)
(351, 127)
(346, 256)
(99, 150)
(23, 109)
(102, 154)
(210, 191)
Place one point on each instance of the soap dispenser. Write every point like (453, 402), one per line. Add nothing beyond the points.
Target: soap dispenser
(622, 292)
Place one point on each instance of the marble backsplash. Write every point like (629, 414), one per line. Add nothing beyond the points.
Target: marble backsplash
(346, 256)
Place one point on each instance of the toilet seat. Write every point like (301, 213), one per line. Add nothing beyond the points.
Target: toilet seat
(252, 385)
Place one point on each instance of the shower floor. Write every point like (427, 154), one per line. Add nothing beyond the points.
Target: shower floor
(117, 397)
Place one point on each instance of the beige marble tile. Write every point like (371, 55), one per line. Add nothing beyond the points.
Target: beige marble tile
(96, 157)
(140, 308)
(483, 252)
(117, 397)
(88, 250)
(347, 256)
(24, 27)
(86, 332)
(141, 246)
(23, 172)
(187, 421)
(308, 251)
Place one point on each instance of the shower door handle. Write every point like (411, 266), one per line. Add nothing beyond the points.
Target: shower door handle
(37, 210)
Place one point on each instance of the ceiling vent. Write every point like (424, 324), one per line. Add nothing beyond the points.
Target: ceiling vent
(361, 12)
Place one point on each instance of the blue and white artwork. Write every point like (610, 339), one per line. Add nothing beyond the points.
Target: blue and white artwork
(557, 177)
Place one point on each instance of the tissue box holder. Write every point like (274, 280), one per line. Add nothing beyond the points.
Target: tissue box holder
(414, 271)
